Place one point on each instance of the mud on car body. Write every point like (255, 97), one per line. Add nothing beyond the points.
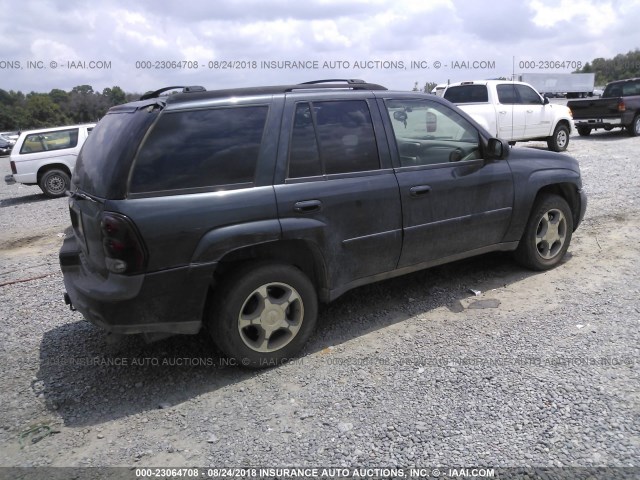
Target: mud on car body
(239, 210)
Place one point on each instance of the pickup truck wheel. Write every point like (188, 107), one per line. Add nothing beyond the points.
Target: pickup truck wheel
(634, 128)
(584, 131)
(264, 314)
(559, 141)
(547, 235)
(54, 183)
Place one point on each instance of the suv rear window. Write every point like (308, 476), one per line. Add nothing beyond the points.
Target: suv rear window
(45, 141)
(200, 149)
(104, 162)
(467, 94)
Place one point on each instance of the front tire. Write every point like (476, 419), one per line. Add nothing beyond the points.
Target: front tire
(547, 235)
(264, 314)
(633, 129)
(559, 141)
(54, 183)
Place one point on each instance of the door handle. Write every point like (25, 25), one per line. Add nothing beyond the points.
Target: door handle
(307, 206)
(529, 111)
(419, 190)
(502, 112)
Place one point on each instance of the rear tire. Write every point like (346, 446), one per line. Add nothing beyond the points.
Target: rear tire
(584, 131)
(54, 183)
(559, 141)
(633, 129)
(547, 235)
(263, 314)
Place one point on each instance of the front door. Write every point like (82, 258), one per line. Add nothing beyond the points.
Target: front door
(453, 201)
(512, 116)
(538, 122)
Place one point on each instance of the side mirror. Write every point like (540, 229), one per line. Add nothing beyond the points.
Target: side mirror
(400, 116)
(432, 122)
(497, 149)
(545, 100)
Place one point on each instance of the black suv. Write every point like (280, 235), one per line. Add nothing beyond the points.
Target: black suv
(240, 209)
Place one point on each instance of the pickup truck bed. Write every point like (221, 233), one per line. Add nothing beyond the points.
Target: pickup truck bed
(619, 107)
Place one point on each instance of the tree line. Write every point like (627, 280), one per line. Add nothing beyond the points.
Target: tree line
(617, 68)
(57, 108)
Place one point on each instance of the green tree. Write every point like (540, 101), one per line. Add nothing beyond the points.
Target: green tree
(428, 86)
(41, 111)
(83, 89)
(114, 96)
(59, 97)
(617, 68)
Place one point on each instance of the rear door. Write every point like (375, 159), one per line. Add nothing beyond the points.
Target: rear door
(512, 116)
(452, 200)
(335, 187)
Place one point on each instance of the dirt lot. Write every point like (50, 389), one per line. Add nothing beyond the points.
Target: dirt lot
(540, 369)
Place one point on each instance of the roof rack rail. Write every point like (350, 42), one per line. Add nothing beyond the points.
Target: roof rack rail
(353, 83)
(190, 89)
(329, 80)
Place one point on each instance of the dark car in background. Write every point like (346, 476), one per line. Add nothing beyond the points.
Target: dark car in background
(6, 145)
(618, 107)
(239, 210)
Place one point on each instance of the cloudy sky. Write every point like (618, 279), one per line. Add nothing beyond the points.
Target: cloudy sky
(138, 45)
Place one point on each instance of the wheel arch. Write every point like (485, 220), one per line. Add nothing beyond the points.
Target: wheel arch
(53, 166)
(565, 122)
(567, 190)
(298, 253)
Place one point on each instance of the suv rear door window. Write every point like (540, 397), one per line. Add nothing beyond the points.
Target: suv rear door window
(200, 149)
(304, 156)
(45, 141)
(344, 132)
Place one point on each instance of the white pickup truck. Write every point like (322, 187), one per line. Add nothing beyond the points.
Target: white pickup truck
(513, 111)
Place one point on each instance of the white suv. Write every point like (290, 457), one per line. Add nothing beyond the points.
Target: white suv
(47, 157)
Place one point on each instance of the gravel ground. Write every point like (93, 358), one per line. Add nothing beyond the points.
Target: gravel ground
(540, 369)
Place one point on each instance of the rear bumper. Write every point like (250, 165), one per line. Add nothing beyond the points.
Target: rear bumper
(170, 301)
(9, 179)
(598, 122)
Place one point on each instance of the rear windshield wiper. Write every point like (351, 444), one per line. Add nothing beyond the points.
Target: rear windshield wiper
(80, 195)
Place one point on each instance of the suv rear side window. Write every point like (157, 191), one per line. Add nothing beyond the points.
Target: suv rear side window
(345, 134)
(200, 149)
(45, 141)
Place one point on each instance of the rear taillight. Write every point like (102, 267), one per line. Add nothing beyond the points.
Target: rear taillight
(13, 167)
(124, 251)
(621, 106)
